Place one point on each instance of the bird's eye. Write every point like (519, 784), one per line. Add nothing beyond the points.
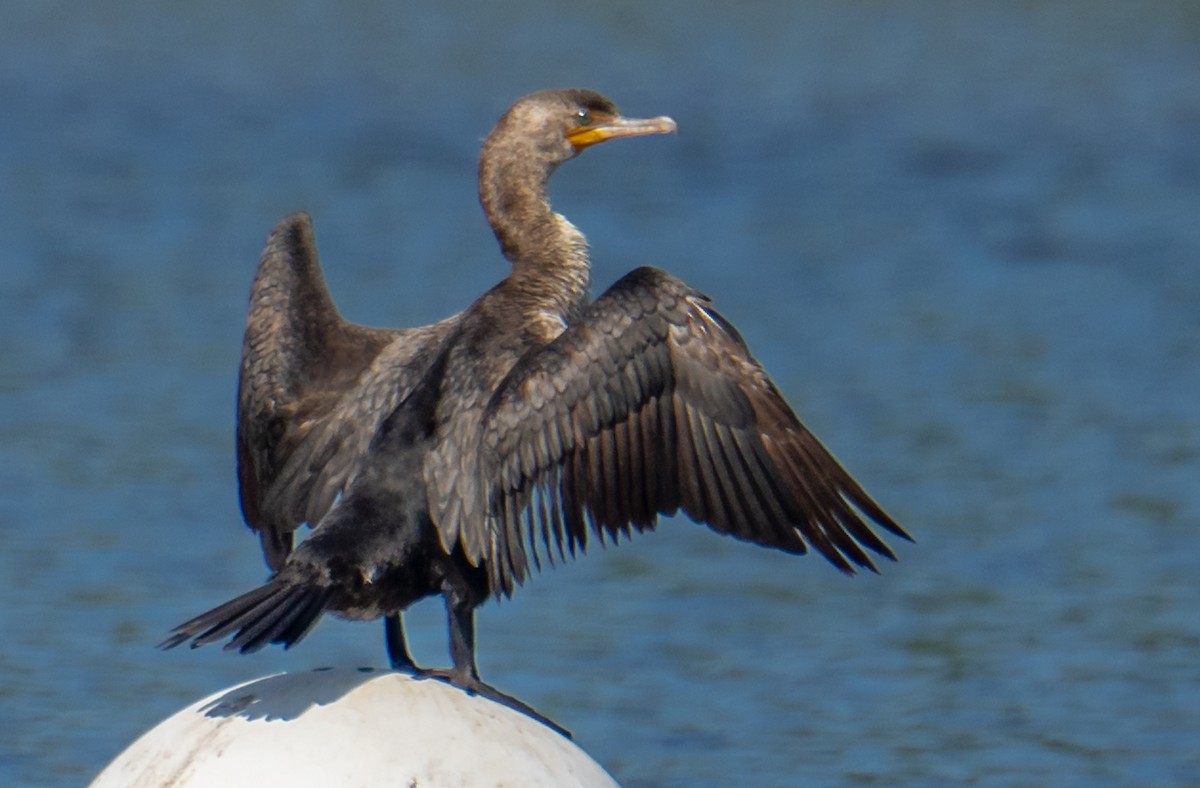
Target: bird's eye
(583, 117)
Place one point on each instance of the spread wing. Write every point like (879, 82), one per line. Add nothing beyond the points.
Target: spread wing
(313, 390)
(649, 404)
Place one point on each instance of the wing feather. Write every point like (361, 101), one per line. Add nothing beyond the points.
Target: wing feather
(314, 389)
(648, 404)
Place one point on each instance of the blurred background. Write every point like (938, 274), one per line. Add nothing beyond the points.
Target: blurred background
(963, 237)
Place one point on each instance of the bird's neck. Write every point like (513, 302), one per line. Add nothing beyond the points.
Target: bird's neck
(549, 255)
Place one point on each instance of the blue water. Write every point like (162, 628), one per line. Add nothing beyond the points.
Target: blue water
(964, 238)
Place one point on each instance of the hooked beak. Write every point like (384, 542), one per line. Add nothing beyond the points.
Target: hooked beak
(613, 127)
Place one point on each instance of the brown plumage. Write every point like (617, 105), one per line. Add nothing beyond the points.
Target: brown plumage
(455, 458)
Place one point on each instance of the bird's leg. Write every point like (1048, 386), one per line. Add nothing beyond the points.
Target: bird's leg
(465, 674)
(462, 642)
(397, 645)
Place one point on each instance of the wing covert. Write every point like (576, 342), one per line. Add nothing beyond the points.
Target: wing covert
(313, 389)
(649, 404)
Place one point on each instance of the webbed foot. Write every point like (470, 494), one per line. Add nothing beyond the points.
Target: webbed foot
(474, 686)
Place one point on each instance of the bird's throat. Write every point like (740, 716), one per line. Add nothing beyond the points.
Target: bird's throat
(554, 278)
(549, 255)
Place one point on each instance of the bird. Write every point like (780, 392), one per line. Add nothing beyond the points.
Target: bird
(459, 458)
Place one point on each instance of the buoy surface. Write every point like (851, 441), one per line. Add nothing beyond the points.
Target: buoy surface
(347, 727)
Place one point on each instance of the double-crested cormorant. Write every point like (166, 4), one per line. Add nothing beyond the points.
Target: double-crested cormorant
(455, 458)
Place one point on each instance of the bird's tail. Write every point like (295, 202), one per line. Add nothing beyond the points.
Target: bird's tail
(282, 611)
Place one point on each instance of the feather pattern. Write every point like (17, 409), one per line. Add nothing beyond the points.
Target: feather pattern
(314, 390)
(651, 403)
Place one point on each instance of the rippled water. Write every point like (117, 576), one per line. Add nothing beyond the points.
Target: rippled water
(964, 239)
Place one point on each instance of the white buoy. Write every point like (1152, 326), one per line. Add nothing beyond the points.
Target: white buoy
(345, 727)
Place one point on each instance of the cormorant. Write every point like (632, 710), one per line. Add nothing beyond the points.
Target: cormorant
(455, 458)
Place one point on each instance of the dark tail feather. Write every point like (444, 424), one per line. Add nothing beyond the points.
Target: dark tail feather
(279, 612)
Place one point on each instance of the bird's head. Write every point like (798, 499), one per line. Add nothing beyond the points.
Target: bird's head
(555, 125)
